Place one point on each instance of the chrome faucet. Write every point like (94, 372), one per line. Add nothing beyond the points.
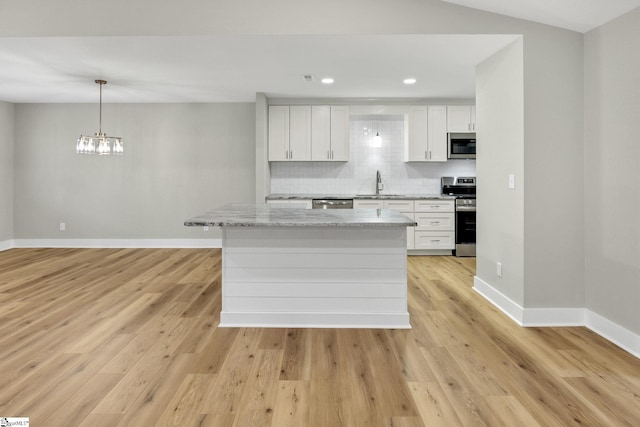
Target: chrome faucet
(379, 184)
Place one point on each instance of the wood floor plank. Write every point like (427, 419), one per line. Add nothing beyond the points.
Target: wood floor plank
(296, 361)
(258, 398)
(225, 395)
(184, 408)
(433, 405)
(408, 356)
(131, 337)
(293, 405)
(510, 412)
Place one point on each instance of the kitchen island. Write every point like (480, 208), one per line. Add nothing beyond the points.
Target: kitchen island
(295, 267)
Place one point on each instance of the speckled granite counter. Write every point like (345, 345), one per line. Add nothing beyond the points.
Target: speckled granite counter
(290, 267)
(247, 215)
(359, 196)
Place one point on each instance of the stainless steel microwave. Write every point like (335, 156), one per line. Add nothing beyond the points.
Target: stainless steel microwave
(461, 146)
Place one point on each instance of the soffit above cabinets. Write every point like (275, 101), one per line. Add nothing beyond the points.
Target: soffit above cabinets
(576, 15)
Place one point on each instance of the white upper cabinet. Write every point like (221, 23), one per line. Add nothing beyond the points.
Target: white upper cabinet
(437, 133)
(329, 133)
(427, 134)
(278, 133)
(303, 133)
(340, 133)
(417, 148)
(299, 133)
(320, 132)
(461, 118)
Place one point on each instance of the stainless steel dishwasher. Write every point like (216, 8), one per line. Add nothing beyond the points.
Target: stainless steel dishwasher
(332, 204)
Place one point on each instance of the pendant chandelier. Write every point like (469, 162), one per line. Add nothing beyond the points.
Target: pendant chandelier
(99, 143)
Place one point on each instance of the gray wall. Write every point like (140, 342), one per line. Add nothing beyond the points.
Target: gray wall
(500, 110)
(553, 167)
(553, 93)
(612, 175)
(7, 119)
(180, 160)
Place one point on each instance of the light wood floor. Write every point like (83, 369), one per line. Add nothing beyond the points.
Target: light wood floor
(114, 337)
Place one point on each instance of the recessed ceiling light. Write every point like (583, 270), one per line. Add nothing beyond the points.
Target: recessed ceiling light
(409, 81)
(327, 80)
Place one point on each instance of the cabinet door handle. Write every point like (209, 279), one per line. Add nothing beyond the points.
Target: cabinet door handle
(435, 222)
(435, 241)
(425, 154)
(429, 154)
(328, 156)
(291, 155)
(286, 154)
(331, 154)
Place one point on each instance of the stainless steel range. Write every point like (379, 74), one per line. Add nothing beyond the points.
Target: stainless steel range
(464, 190)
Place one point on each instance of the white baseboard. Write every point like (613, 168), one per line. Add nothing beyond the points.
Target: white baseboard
(412, 252)
(6, 244)
(615, 333)
(560, 317)
(498, 299)
(117, 243)
(315, 320)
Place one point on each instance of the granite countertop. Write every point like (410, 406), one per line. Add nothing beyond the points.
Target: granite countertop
(359, 196)
(247, 215)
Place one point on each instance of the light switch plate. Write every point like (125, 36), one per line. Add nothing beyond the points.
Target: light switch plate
(512, 182)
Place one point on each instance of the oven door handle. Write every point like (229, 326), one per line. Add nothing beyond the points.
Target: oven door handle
(465, 208)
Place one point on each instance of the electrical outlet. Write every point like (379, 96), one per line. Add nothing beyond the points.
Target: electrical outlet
(63, 226)
(512, 181)
(206, 228)
(499, 269)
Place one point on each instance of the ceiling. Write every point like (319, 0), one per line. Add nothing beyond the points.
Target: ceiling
(576, 15)
(233, 68)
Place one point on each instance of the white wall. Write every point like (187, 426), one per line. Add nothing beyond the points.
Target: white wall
(500, 216)
(180, 160)
(357, 176)
(612, 174)
(7, 119)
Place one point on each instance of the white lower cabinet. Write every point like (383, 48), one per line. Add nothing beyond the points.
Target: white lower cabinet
(367, 204)
(305, 202)
(435, 221)
(435, 218)
(405, 207)
(436, 225)
(434, 240)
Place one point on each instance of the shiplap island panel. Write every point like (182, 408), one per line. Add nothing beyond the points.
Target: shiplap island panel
(285, 266)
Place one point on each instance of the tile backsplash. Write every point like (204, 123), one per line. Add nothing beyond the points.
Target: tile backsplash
(357, 176)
